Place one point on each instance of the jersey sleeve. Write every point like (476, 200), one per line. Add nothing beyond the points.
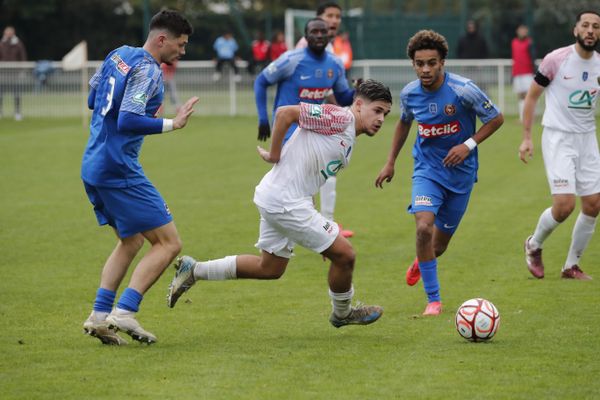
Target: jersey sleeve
(406, 115)
(95, 80)
(280, 69)
(472, 97)
(325, 119)
(142, 84)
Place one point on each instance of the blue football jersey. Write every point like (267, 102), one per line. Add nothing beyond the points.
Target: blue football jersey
(303, 76)
(129, 80)
(446, 118)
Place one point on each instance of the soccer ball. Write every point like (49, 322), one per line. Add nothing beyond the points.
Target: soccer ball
(477, 320)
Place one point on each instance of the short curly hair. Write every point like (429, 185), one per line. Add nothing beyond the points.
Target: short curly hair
(427, 40)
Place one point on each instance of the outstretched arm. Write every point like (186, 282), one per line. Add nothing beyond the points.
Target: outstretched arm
(285, 117)
(387, 172)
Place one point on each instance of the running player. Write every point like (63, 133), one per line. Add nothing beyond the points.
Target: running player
(571, 76)
(318, 149)
(445, 106)
(126, 93)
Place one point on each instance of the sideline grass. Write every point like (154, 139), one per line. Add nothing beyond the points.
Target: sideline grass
(272, 340)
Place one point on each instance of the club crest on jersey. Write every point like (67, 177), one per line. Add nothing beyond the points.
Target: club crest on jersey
(315, 111)
(330, 73)
(584, 76)
(436, 130)
(122, 66)
(433, 108)
(313, 93)
(449, 110)
(318, 73)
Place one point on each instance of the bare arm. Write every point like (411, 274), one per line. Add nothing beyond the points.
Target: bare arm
(526, 147)
(458, 153)
(400, 135)
(284, 118)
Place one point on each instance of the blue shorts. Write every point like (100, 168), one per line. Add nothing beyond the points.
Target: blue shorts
(447, 206)
(129, 210)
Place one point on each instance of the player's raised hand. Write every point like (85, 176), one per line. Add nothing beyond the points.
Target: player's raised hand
(386, 174)
(184, 113)
(264, 131)
(526, 150)
(456, 155)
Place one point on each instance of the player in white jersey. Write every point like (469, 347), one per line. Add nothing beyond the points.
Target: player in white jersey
(571, 77)
(330, 12)
(321, 146)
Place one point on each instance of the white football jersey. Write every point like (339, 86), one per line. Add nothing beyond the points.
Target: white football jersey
(317, 150)
(573, 90)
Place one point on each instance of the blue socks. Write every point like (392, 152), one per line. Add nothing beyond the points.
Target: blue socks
(130, 300)
(104, 300)
(430, 279)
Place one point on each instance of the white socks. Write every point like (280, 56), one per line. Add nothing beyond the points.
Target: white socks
(328, 198)
(582, 233)
(216, 270)
(342, 302)
(544, 228)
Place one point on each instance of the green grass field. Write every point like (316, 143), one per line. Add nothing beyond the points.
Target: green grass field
(272, 340)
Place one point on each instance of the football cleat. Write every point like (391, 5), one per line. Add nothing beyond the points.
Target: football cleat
(533, 258)
(413, 273)
(575, 273)
(183, 280)
(129, 325)
(433, 308)
(345, 233)
(359, 315)
(99, 329)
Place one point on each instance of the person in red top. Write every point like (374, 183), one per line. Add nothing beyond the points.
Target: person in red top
(278, 46)
(523, 66)
(343, 49)
(260, 53)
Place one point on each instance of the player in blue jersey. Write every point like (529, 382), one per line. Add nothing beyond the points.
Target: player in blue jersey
(125, 96)
(445, 106)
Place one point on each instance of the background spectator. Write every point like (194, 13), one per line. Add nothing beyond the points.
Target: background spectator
(260, 53)
(226, 47)
(278, 46)
(12, 49)
(522, 55)
(472, 45)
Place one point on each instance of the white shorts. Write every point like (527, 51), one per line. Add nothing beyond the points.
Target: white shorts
(521, 83)
(280, 231)
(572, 162)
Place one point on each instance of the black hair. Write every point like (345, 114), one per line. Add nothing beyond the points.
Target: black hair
(327, 4)
(312, 20)
(427, 40)
(172, 21)
(373, 90)
(585, 12)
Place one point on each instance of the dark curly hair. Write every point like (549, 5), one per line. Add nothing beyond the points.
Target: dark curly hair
(427, 40)
(373, 90)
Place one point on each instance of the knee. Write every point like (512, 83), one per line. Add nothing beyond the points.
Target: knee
(346, 259)
(440, 249)
(562, 211)
(424, 233)
(271, 271)
(591, 206)
(133, 244)
(173, 246)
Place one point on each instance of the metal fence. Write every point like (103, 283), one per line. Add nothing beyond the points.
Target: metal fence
(46, 90)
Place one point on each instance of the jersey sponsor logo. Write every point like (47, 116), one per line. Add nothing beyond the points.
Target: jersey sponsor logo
(328, 227)
(433, 108)
(582, 99)
(140, 98)
(584, 76)
(122, 66)
(449, 109)
(315, 111)
(330, 73)
(313, 93)
(331, 169)
(423, 201)
(435, 130)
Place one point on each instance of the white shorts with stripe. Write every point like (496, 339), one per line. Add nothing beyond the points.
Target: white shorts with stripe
(572, 162)
(280, 231)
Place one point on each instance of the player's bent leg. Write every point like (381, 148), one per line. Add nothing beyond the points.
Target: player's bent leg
(267, 266)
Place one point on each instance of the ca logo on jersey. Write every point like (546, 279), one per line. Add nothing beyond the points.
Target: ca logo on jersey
(331, 169)
(582, 99)
(315, 111)
(140, 98)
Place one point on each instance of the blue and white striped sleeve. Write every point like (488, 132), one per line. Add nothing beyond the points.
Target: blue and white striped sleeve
(142, 85)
